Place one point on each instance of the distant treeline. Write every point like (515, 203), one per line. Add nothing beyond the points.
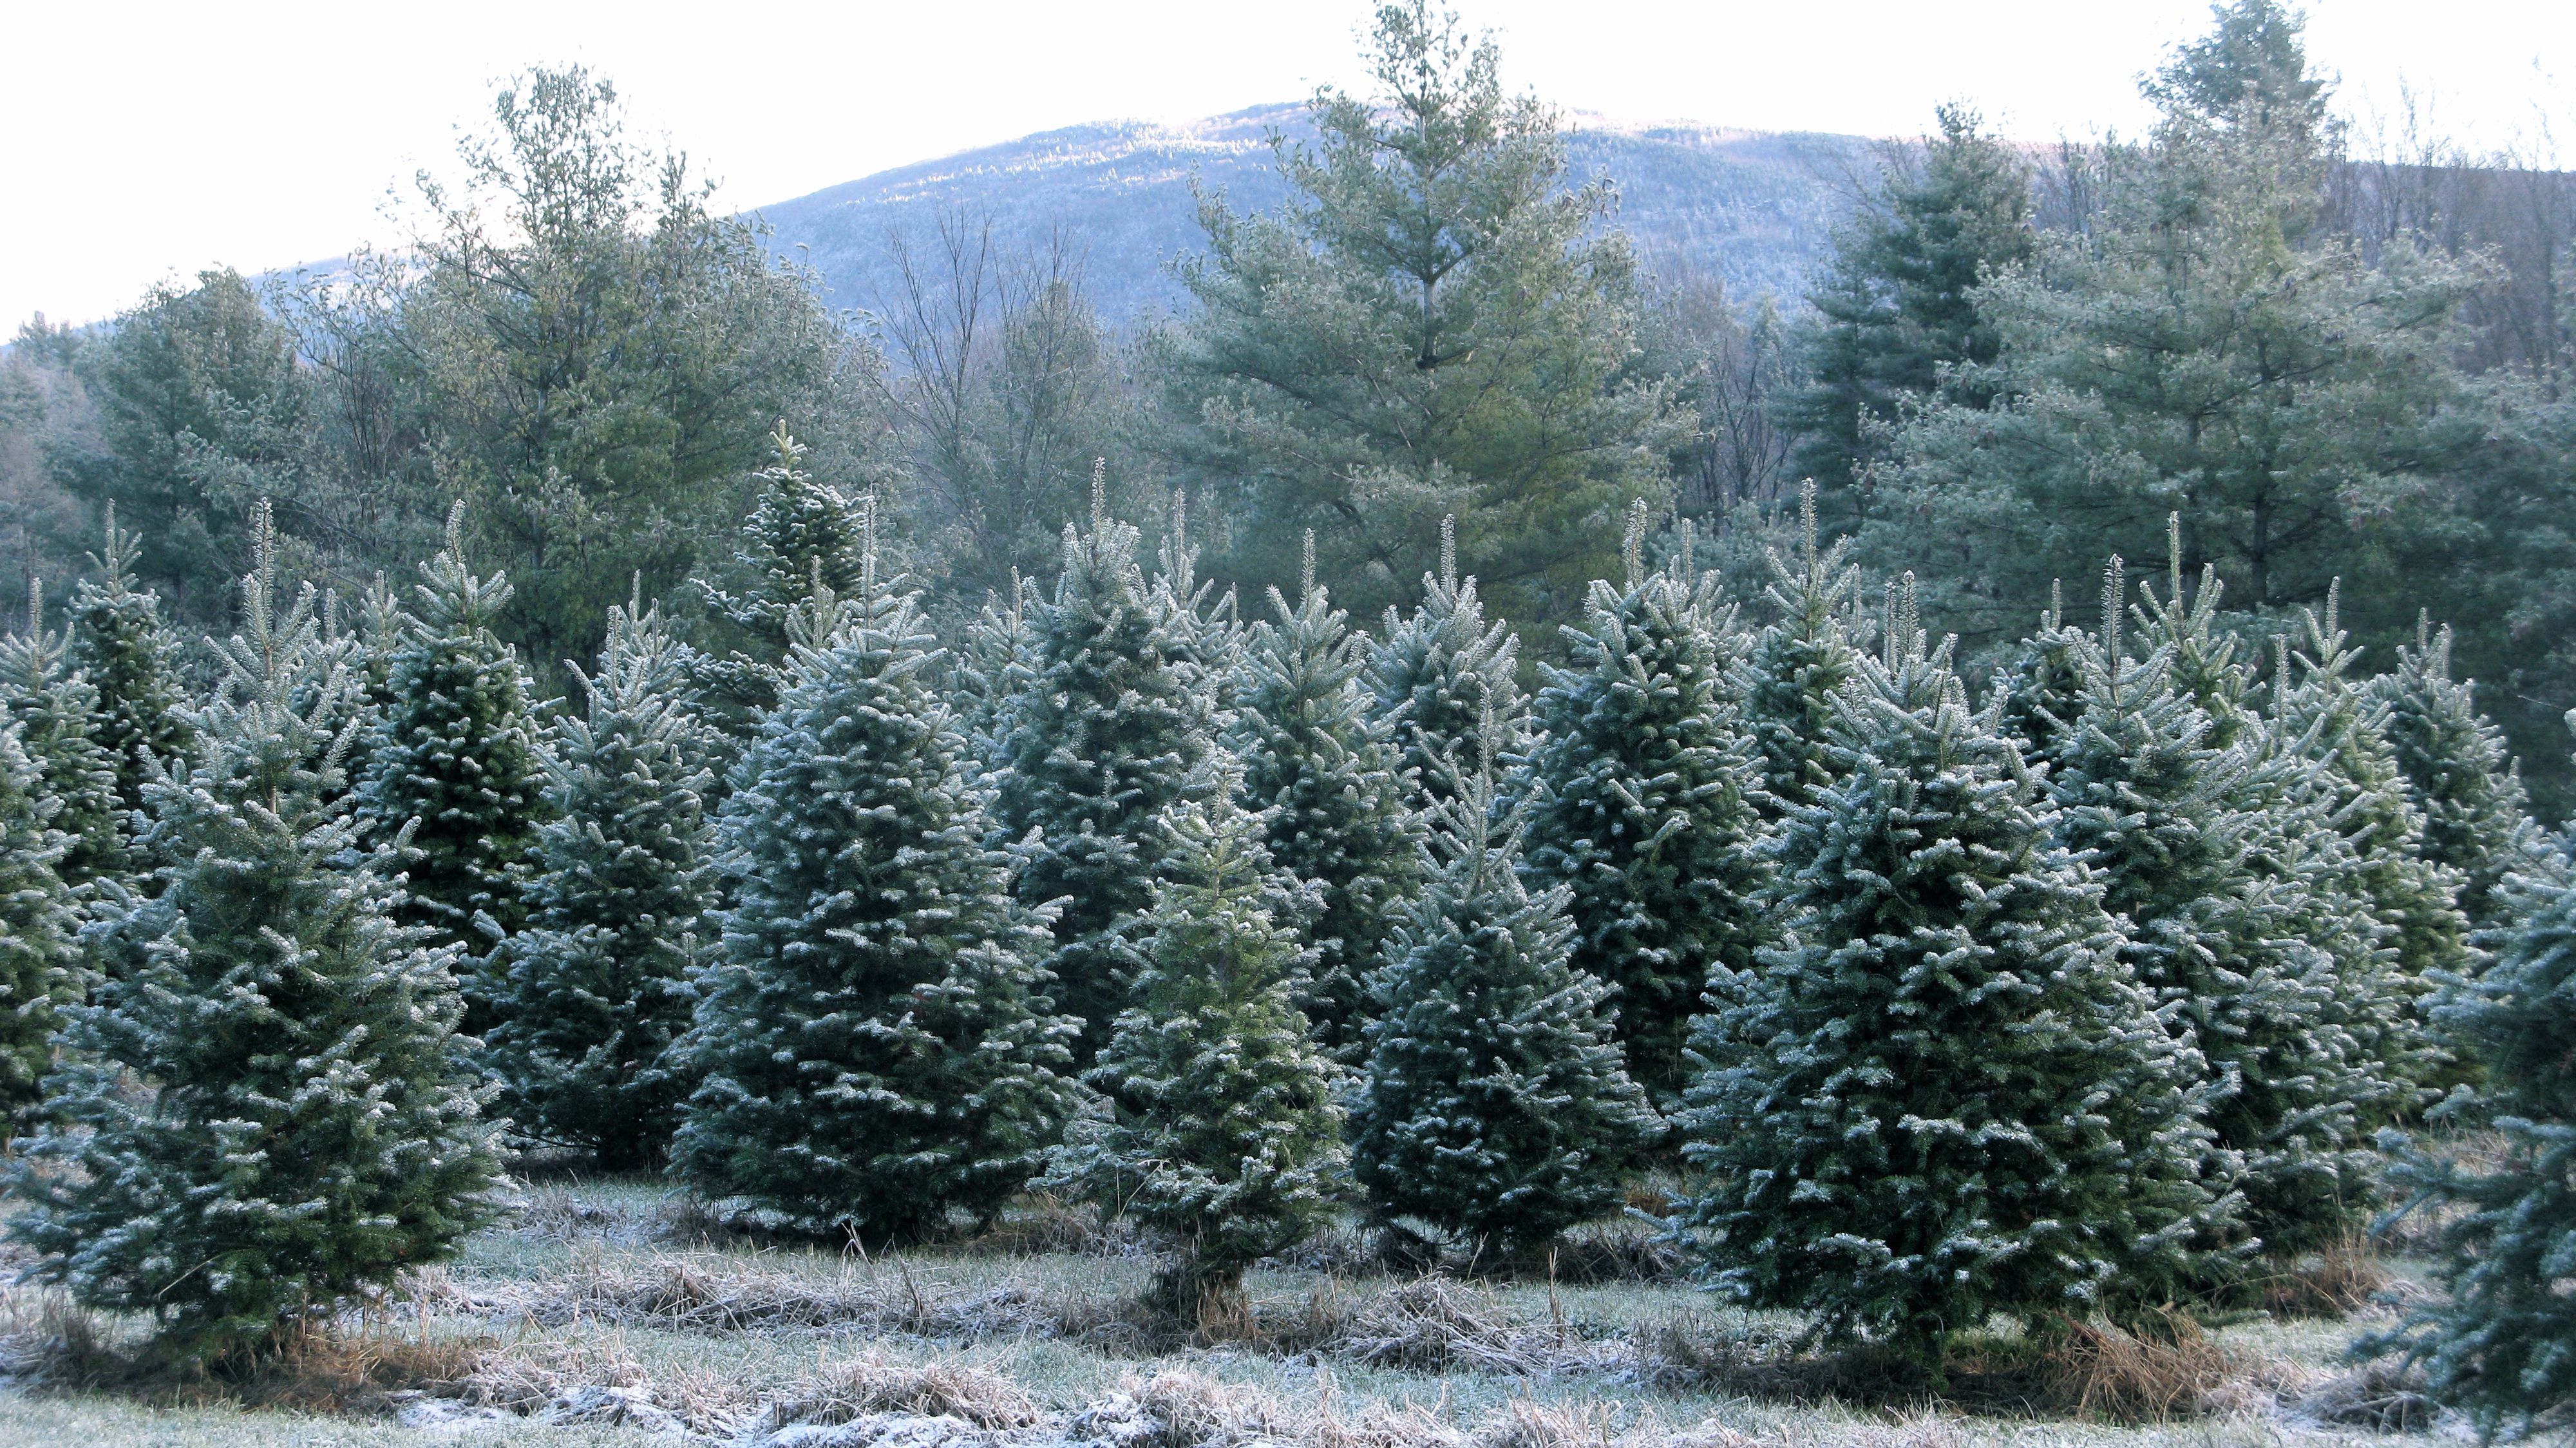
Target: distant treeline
(2336, 357)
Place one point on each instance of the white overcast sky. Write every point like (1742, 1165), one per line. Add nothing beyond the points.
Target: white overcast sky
(142, 140)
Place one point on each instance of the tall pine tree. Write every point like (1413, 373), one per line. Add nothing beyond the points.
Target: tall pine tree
(1945, 1097)
(1646, 796)
(1494, 1106)
(1219, 1125)
(873, 1038)
(1323, 776)
(592, 992)
(305, 1128)
(1115, 724)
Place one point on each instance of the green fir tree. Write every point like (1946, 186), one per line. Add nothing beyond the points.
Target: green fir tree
(1219, 1125)
(2500, 1341)
(1799, 662)
(2458, 774)
(267, 1112)
(451, 764)
(1494, 1106)
(803, 535)
(60, 722)
(874, 1044)
(1115, 725)
(1324, 778)
(40, 967)
(1446, 682)
(131, 658)
(591, 993)
(1945, 1097)
(1646, 795)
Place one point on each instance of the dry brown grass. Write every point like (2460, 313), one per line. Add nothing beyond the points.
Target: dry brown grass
(2333, 1283)
(874, 1383)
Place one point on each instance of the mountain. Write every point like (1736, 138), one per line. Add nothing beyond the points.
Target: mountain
(1751, 207)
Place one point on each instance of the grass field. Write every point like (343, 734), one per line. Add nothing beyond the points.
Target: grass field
(616, 1312)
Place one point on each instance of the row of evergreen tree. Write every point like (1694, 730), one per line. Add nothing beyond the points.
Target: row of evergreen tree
(2072, 1001)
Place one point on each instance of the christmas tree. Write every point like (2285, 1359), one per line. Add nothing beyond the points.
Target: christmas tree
(592, 992)
(995, 669)
(2227, 887)
(2340, 728)
(451, 765)
(2035, 690)
(39, 964)
(1799, 662)
(1494, 1106)
(1115, 725)
(1944, 1097)
(1322, 775)
(1441, 674)
(802, 535)
(130, 657)
(304, 1129)
(2458, 775)
(59, 724)
(1219, 1125)
(873, 1039)
(2501, 1342)
(1646, 803)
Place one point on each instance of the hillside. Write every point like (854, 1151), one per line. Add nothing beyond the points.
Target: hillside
(1752, 207)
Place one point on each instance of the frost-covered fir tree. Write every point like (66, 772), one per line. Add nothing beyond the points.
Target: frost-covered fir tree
(591, 993)
(2501, 1341)
(2035, 690)
(1646, 794)
(40, 969)
(995, 669)
(2458, 775)
(1114, 726)
(131, 658)
(266, 1109)
(1494, 1106)
(2227, 888)
(2341, 728)
(451, 764)
(1218, 1125)
(56, 709)
(1945, 1097)
(873, 1043)
(1440, 674)
(1801, 659)
(803, 535)
(1323, 776)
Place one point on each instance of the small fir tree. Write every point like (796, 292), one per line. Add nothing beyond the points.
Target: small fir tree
(1442, 674)
(2458, 775)
(1945, 1097)
(995, 669)
(451, 765)
(304, 1127)
(1494, 1106)
(1324, 779)
(873, 1040)
(2343, 730)
(2501, 1340)
(1219, 1125)
(1798, 663)
(591, 994)
(59, 724)
(131, 657)
(2036, 691)
(2228, 902)
(1645, 804)
(803, 536)
(1116, 724)
(40, 968)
